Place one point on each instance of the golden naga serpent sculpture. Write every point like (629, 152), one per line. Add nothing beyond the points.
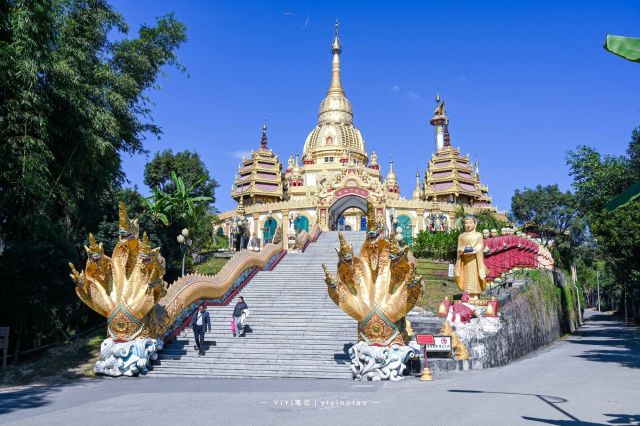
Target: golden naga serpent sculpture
(128, 288)
(378, 287)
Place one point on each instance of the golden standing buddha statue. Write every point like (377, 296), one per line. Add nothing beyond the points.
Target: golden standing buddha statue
(470, 271)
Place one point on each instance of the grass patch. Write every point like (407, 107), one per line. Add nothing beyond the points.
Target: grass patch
(436, 283)
(68, 361)
(211, 266)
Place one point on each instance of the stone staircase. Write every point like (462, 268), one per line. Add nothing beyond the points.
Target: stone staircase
(294, 329)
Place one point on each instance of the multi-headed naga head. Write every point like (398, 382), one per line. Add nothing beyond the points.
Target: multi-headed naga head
(127, 229)
(125, 287)
(377, 289)
(95, 251)
(345, 254)
(152, 268)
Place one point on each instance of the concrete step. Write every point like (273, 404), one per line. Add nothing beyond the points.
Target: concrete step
(239, 374)
(296, 329)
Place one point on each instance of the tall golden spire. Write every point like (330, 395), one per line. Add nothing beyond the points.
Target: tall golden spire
(336, 50)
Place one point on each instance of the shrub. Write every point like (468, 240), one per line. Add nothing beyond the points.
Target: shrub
(436, 245)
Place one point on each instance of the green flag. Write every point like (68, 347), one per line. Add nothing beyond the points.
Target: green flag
(627, 47)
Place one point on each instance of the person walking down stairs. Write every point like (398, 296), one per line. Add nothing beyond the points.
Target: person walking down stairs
(237, 317)
(200, 323)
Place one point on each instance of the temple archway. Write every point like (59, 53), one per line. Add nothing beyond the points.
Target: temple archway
(342, 205)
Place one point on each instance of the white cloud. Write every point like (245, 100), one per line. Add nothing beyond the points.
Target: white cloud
(240, 154)
(395, 88)
(462, 78)
(412, 94)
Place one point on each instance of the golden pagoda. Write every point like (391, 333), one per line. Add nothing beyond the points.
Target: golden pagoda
(335, 179)
(450, 177)
(259, 178)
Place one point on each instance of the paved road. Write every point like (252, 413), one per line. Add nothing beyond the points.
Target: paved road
(591, 377)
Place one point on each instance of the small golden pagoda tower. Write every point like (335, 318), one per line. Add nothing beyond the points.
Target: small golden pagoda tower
(391, 182)
(450, 177)
(259, 178)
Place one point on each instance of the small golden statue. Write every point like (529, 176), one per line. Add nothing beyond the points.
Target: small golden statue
(470, 271)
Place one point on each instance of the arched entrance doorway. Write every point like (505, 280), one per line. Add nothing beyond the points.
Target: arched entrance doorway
(351, 221)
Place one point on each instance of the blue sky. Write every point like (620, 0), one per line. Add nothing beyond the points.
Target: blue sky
(524, 82)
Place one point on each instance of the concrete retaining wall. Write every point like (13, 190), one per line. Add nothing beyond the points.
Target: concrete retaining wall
(535, 311)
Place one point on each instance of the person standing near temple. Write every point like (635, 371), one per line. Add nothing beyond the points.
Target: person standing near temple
(200, 323)
(237, 317)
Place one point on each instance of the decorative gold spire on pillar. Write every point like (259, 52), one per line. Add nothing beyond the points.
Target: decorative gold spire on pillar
(416, 192)
(336, 50)
(240, 210)
(391, 176)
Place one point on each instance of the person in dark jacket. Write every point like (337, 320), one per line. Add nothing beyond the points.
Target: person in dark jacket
(237, 316)
(200, 324)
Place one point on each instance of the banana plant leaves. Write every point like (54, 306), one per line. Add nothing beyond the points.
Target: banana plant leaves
(626, 47)
(625, 198)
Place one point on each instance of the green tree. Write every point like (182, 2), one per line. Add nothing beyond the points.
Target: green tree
(182, 208)
(187, 165)
(551, 212)
(485, 219)
(181, 204)
(72, 101)
(436, 245)
(596, 180)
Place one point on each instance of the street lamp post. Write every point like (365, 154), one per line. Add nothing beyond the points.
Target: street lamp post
(185, 242)
(598, 281)
(397, 231)
(239, 225)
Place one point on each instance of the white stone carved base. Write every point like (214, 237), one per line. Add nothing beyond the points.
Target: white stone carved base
(379, 362)
(127, 358)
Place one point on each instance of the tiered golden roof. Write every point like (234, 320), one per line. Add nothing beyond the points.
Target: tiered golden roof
(259, 178)
(450, 177)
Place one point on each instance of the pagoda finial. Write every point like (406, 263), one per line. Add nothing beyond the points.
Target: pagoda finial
(447, 138)
(263, 142)
(416, 192)
(240, 210)
(336, 50)
(437, 96)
